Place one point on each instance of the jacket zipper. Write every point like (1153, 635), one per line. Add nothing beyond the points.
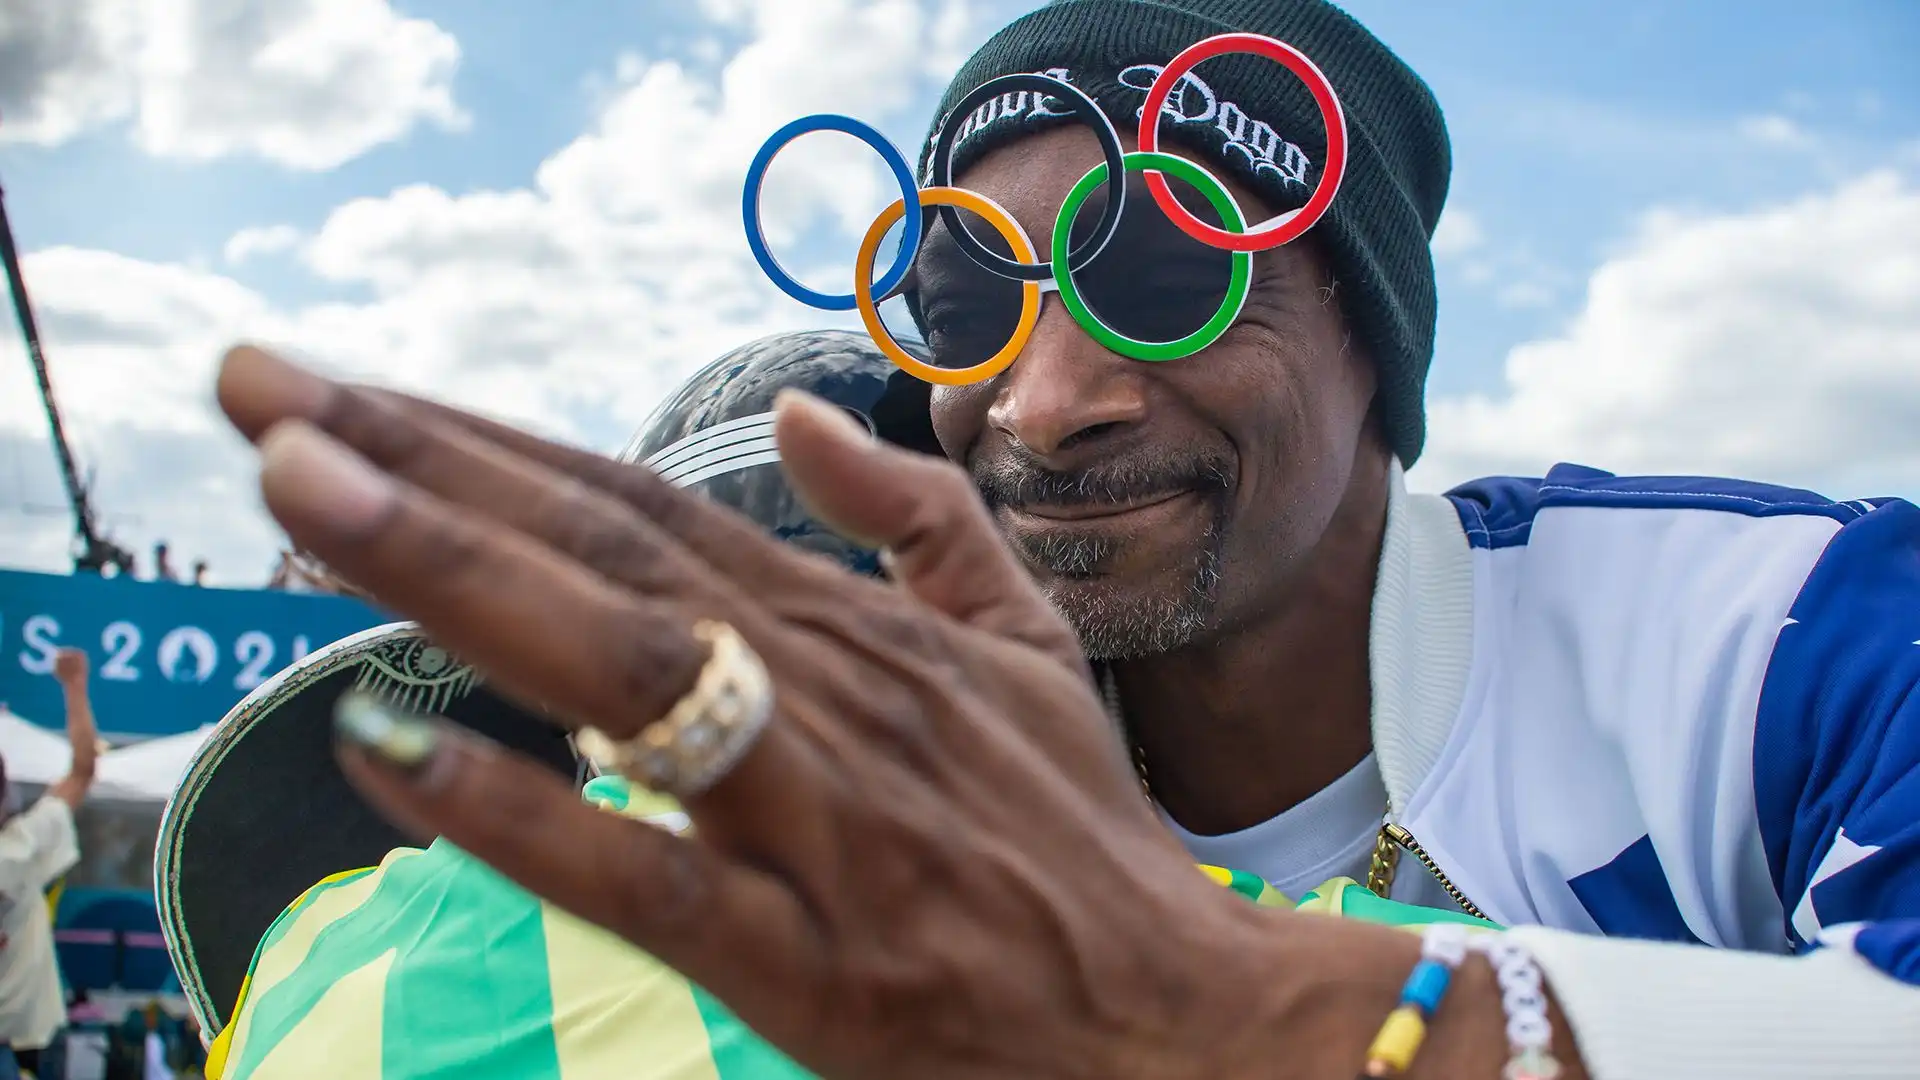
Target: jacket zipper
(1403, 838)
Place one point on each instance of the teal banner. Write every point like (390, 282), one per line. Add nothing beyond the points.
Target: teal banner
(166, 658)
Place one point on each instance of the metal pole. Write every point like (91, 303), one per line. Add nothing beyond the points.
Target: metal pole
(94, 554)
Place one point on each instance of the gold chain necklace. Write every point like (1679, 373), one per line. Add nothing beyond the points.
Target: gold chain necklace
(1386, 853)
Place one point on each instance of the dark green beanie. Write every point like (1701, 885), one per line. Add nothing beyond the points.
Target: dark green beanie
(1255, 120)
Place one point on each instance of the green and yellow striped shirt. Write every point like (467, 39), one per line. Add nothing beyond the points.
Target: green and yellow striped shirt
(431, 965)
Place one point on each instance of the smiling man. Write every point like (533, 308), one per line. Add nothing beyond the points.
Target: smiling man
(1588, 706)
(1212, 526)
(1679, 709)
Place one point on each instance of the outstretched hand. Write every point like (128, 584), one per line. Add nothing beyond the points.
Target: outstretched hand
(933, 863)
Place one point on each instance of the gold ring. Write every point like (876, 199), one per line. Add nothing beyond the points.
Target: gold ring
(706, 733)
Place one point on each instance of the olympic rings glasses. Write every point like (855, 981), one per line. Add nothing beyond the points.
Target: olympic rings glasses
(1075, 265)
(946, 140)
(1009, 229)
(757, 237)
(1285, 227)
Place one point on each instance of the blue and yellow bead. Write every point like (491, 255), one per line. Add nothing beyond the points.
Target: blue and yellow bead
(1399, 1040)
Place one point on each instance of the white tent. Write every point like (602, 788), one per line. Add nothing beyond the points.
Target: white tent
(142, 772)
(148, 771)
(34, 755)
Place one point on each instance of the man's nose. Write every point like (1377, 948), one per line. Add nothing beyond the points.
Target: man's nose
(1065, 389)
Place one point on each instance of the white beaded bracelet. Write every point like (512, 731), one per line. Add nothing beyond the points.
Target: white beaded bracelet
(1524, 998)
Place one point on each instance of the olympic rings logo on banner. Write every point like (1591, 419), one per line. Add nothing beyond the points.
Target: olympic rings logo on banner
(941, 198)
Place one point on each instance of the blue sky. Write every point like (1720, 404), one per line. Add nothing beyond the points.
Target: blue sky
(1568, 120)
(1571, 123)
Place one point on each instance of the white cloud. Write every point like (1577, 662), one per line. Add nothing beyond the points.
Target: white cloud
(1458, 233)
(1525, 293)
(603, 284)
(1775, 130)
(570, 305)
(1477, 272)
(1652, 146)
(62, 67)
(304, 83)
(1512, 272)
(1780, 344)
(261, 240)
(131, 347)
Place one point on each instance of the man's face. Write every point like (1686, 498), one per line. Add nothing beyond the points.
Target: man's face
(1158, 504)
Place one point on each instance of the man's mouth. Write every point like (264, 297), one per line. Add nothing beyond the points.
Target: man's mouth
(1094, 510)
(1102, 523)
(1124, 506)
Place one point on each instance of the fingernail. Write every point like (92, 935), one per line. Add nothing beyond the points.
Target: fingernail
(401, 739)
(271, 385)
(310, 468)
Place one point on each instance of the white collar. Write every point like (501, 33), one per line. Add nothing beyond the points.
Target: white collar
(1420, 641)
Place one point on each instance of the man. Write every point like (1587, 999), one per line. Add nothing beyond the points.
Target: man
(36, 847)
(1668, 709)
(163, 563)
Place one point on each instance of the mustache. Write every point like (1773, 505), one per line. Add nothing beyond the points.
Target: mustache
(1018, 479)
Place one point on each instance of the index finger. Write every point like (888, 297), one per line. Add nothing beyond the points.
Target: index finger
(725, 539)
(546, 625)
(258, 389)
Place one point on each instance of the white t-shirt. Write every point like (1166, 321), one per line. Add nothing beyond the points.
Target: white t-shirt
(1331, 834)
(156, 1064)
(36, 847)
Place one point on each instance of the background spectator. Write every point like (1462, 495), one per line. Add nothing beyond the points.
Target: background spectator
(162, 565)
(37, 846)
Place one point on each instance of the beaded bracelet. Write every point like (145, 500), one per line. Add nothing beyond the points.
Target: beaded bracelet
(1442, 947)
(1522, 997)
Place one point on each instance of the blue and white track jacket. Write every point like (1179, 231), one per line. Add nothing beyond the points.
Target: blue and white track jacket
(1684, 711)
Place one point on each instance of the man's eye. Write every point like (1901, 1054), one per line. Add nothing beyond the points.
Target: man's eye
(956, 314)
(966, 330)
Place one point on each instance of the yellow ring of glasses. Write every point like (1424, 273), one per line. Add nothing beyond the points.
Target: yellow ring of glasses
(1023, 251)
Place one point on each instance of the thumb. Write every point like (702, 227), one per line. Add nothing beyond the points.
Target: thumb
(925, 512)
